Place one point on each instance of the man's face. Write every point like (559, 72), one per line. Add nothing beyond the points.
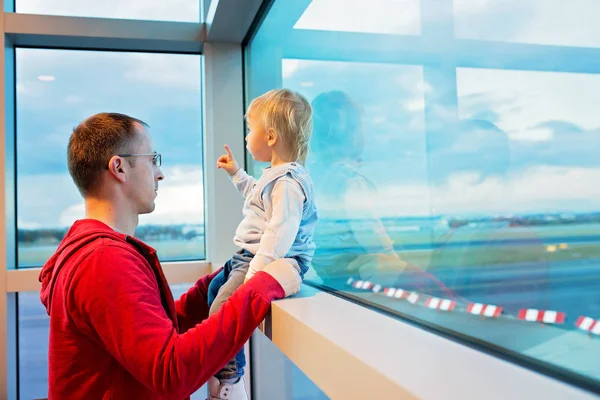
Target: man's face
(142, 183)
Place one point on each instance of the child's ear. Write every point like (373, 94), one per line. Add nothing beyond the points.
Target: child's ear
(271, 137)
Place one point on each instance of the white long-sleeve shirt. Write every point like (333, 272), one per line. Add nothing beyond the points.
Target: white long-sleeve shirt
(279, 215)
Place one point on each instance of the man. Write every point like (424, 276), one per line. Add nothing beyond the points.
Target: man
(115, 331)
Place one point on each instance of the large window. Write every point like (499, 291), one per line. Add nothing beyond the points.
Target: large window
(454, 160)
(57, 89)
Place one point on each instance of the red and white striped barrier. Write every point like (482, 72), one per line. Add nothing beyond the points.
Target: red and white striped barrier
(395, 293)
(413, 297)
(547, 317)
(589, 325)
(440, 304)
(365, 285)
(486, 310)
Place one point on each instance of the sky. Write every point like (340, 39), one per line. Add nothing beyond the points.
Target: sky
(167, 10)
(545, 160)
(57, 89)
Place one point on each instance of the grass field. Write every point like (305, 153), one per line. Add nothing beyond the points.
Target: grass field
(168, 250)
(434, 247)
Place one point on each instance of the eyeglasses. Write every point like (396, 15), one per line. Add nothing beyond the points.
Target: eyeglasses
(156, 157)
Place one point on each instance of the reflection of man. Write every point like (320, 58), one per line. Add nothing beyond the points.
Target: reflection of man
(484, 259)
(351, 242)
(115, 331)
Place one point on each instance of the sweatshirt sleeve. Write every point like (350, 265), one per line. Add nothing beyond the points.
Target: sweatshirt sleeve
(192, 306)
(115, 300)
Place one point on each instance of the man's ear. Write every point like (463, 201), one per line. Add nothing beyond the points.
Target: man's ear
(272, 137)
(117, 168)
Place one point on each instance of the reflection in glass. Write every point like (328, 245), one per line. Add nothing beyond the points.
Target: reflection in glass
(375, 16)
(462, 196)
(544, 22)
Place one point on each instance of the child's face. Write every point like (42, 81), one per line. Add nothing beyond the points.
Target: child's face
(257, 140)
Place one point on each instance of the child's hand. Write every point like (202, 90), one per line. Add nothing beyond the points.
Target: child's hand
(228, 163)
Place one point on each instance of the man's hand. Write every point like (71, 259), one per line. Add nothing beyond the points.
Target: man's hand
(287, 272)
(228, 163)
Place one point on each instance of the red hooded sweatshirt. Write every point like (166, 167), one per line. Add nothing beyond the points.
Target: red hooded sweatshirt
(115, 331)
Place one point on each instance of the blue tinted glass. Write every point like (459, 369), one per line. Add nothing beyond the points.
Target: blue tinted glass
(454, 167)
(34, 327)
(56, 90)
(274, 376)
(550, 22)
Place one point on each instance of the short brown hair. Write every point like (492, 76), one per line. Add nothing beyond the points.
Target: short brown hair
(92, 144)
(290, 114)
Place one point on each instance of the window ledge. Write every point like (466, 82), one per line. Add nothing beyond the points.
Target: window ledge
(349, 351)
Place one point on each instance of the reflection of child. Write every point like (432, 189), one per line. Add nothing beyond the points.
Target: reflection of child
(279, 209)
(357, 243)
(336, 153)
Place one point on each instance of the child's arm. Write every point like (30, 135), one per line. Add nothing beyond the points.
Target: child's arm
(241, 180)
(287, 202)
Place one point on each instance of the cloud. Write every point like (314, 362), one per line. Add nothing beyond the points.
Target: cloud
(532, 135)
(538, 189)
(96, 79)
(161, 89)
(551, 22)
(174, 71)
(289, 67)
(167, 10)
(523, 100)
(375, 16)
(414, 105)
(52, 200)
(560, 127)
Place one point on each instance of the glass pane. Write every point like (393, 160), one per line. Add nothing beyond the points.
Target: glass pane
(463, 198)
(56, 90)
(275, 376)
(375, 16)
(553, 22)
(164, 10)
(33, 346)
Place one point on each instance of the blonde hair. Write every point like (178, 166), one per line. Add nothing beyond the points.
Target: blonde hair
(290, 115)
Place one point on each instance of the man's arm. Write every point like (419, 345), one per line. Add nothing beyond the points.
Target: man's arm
(115, 299)
(287, 202)
(192, 306)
